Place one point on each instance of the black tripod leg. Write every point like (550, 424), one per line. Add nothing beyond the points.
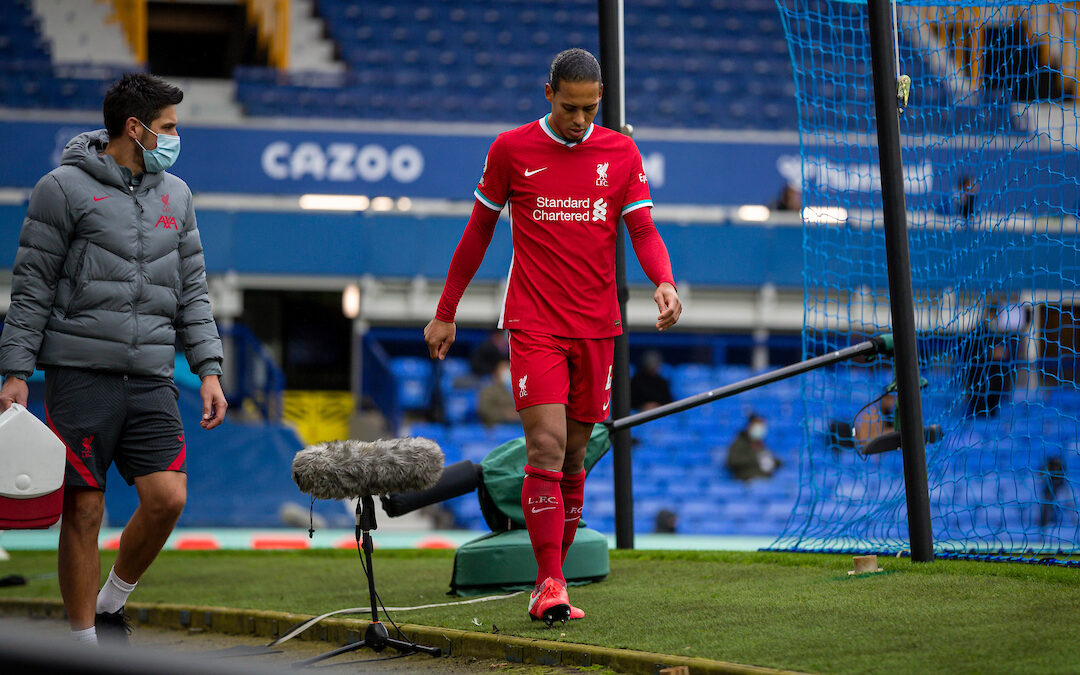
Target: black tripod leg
(403, 646)
(329, 655)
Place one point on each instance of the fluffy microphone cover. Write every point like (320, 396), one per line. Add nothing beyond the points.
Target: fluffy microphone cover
(347, 469)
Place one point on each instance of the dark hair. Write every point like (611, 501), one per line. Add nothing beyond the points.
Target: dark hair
(573, 65)
(137, 95)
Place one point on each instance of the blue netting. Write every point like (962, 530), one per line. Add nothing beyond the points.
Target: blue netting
(989, 143)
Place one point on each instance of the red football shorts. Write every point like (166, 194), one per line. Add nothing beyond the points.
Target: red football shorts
(575, 372)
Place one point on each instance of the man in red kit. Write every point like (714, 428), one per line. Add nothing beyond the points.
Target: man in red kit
(566, 182)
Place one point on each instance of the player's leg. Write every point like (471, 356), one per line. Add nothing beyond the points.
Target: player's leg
(545, 435)
(541, 492)
(589, 402)
(86, 411)
(572, 487)
(162, 496)
(77, 556)
(573, 479)
(541, 502)
(151, 455)
(539, 371)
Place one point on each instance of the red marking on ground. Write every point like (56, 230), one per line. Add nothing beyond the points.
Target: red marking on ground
(264, 543)
(197, 544)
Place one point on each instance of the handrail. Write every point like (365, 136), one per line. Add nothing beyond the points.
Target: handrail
(258, 378)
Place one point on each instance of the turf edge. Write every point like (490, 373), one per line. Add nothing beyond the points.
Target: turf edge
(453, 642)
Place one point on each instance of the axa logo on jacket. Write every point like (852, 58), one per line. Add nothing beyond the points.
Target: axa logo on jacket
(166, 220)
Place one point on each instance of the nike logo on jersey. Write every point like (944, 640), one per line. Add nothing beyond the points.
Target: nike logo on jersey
(529, 172)
(606, 404)
(98, 199)
(541, 510)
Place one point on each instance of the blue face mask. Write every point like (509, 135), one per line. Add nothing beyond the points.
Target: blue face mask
(164, 155)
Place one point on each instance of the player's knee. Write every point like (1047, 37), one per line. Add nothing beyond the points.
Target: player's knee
(546, 450)
(83, 512)
(574, 461)
(167, 505)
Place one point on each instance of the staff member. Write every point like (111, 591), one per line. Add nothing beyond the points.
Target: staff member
(108, 272)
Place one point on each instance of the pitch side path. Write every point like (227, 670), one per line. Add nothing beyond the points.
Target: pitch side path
(709, 610)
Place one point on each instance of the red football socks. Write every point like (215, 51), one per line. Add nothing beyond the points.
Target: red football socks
(573, 496)
(541, 500)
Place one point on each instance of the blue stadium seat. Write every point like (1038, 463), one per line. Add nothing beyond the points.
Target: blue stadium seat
(460, 405)
(683, 46)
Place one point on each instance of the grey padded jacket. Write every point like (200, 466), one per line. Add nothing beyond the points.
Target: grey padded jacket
(107, 274)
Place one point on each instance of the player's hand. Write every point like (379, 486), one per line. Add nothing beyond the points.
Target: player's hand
(213, 402)
(439, 335)
(13, 391)
(667, 300)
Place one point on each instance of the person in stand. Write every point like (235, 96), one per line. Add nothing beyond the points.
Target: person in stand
(487, 355)
(667, 522)
(789, 199)
(877, 421)
(1055, 495)
(648, 388)
(748, 457)
(108, 272)
(496, 403)
(567, 182)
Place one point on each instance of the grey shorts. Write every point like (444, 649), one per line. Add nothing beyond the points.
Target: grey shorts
(106, 417)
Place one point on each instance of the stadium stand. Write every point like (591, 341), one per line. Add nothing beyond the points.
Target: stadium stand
(32, 76)
(21, 39)
(692, 63)
(471, 61)
(82, 33)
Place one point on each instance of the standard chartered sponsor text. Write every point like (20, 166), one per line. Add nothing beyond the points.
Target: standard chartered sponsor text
(559, 212)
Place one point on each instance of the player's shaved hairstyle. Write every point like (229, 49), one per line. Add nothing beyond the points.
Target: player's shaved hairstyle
(137, 95)
(574, 65)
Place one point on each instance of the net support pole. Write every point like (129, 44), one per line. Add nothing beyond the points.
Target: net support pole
(883, 344)
(909, 401)
(612, 109)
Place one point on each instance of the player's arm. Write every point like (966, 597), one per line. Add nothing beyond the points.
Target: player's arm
(43, 247)
(440, 332)
(195, 322)
(653, 256)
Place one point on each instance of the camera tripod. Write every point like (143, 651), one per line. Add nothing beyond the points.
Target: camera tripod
(376, 637)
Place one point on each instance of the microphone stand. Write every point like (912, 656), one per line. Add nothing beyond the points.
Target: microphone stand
(376, 636)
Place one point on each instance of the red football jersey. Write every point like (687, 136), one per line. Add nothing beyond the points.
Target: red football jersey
(565, 201)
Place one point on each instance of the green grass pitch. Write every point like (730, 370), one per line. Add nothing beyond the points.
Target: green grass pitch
(796, 611)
